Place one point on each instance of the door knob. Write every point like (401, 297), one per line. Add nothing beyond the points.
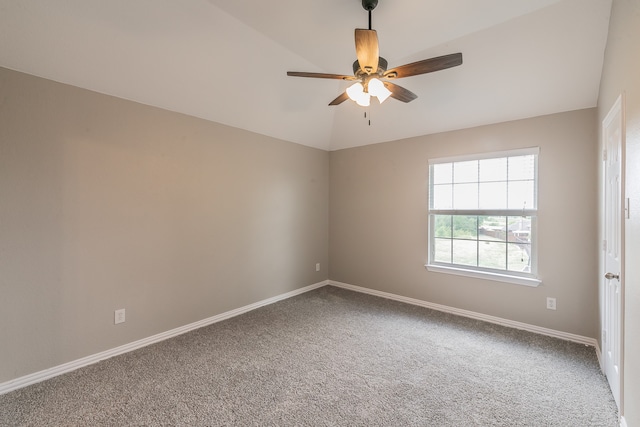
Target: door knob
(610, 276)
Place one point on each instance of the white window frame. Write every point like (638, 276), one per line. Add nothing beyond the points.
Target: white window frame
(520, 278)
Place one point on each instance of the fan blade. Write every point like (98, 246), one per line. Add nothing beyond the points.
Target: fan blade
(367, 50)
(425, 66)
(340, 99)
(319, 75)
(400, 93)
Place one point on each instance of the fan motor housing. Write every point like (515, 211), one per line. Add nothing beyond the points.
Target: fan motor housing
(382, 67)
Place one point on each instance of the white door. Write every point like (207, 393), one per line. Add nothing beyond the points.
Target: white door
(613, 138)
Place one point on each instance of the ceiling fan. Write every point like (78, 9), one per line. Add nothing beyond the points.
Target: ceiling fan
(370, 70)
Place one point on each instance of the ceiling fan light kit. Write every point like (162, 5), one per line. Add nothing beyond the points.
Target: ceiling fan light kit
(370, 70)
(362, 94)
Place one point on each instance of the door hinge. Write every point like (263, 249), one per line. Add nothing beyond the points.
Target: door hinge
(604, 245)
(604, 337)
(627, 213)
(604, 155)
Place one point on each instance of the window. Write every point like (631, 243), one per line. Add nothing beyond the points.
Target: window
(482, 216)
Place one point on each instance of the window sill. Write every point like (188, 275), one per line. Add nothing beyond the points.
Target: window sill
(516, 280)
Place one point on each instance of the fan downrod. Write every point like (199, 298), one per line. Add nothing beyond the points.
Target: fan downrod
(369, 5)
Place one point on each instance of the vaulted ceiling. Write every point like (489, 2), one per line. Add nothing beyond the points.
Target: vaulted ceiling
(226, 61)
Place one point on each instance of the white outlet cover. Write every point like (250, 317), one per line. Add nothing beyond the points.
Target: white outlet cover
(119, 316)
(551, 303)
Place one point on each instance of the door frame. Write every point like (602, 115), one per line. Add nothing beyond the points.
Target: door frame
(617, 107)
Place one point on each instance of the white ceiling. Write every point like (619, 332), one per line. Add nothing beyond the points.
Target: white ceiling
(226, 61)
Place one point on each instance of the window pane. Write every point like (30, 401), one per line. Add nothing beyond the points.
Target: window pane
(442, 226)
(493, 195)
(442, 173)
(519, 229)
(521, 167)
(493, 169)
(519, 257)
(465, 171)
(465, 196)
(465, 227)
(442, 196)
(521, 195)
(492, 255)
(442, 250)
(465, 252)
(492, 228)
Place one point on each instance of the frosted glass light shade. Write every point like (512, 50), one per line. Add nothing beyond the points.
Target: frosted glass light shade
(364, 99)
(376, 88)
(355, 91)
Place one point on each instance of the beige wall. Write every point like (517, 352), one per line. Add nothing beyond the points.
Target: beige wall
(621, 74)
(378, 221)
(108, 204)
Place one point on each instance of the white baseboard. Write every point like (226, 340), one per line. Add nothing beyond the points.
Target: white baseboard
(473, 315)
(623, 422)
(599, 355)
(37, 377)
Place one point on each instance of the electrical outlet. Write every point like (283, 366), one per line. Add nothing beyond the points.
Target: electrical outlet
(119, 316)
(551, 303)
(318, 267)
